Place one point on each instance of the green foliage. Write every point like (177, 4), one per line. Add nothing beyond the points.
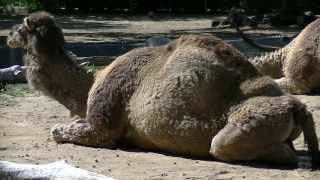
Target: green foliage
(16, 90)
(8, 6)
(32, 4)
(6, 2)
(7, 91)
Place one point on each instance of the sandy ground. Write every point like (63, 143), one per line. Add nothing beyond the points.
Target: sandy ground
(138, 28)
(25, 137)
(25, 122)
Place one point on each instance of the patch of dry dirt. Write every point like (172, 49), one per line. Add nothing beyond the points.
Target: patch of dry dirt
(97, 28)
(25, 137)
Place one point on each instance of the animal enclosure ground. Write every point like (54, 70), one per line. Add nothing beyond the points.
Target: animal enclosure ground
(25, 120)
(25, 137)
(130, 28)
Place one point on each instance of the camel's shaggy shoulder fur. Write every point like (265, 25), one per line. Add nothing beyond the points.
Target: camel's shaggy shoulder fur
(297, 65)
(196, 96)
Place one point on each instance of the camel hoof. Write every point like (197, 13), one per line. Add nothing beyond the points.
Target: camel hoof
(77, 132)
(58, 134)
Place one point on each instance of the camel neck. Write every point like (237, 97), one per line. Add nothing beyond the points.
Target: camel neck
(271, 63)
(62, 79)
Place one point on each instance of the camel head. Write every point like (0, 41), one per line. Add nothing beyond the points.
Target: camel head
(38, 32)
(17, 37)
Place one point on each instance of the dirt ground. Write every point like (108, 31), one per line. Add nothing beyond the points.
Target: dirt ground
(138, 28)
(25, 122)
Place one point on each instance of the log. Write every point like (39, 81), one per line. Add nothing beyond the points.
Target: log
(96, 60)
(16, 73)
(13, 74)
(155, 41)
(92, 60)
(53, 171)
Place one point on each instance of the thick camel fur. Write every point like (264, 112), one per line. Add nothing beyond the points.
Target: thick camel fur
(196, 96)
(296, 67)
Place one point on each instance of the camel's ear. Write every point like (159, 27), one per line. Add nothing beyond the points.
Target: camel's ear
(28, 24)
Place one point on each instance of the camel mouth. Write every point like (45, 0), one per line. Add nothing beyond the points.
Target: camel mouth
(12, 44)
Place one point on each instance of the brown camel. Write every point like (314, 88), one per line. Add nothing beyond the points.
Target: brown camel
(196, 96)
(50, 69)
(295, 67)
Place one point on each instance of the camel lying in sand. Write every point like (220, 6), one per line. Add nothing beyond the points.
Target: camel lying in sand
(296, 67)
(196, 96)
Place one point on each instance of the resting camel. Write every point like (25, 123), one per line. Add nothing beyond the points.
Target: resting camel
(295, 67)
(196, 96)
(51, 69)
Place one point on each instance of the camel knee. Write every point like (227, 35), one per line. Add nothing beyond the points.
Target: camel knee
(253, 128)
(293, 86)
(232, 144)
(83, 133)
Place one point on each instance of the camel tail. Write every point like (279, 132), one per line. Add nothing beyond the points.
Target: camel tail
(311, 139)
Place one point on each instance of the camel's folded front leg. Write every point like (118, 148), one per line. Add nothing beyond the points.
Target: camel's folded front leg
(262, 129)
(294, 86)
(234, 144)
(81, 132)
(283, 84)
